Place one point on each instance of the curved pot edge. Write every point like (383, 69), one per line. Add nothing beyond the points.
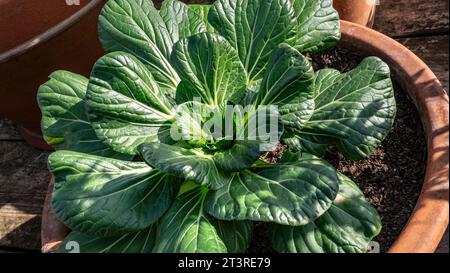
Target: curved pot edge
(429, 219)
(53, 231)
(50, 33)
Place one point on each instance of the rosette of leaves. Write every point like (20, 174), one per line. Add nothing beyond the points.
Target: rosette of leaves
(124, 184)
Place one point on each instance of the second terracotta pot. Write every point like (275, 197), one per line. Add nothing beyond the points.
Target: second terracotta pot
(361, 12)
(71, 44)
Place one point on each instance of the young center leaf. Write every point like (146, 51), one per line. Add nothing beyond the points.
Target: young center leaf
(347, 227)
(257, 131)
(103, 196)
(239, 157)
(191, 164)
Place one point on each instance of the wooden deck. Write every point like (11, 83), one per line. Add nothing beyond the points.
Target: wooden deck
(421, 25)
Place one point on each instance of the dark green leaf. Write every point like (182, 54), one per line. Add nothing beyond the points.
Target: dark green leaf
(203, 10)
(126, 107)
(288, 76)
(314, 144)
(254, 28)
(288, 193)
(142, 241)
(64, 122)
(348, 226)
(181, 21)
(186, 228)
(209, 68)
(190, 164)
(317, 25)
(236, 235)
(257, 131)
(289, 84)
(136, 27)
(355, 110)
(102, 196)
(239, 157)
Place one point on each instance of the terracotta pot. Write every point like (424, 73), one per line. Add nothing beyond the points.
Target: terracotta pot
(429, 220)
(53, 231)
(37, 39)
(357, 11)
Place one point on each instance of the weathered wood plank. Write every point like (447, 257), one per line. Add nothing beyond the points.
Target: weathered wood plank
(23, 184)
(401, 18)
(434, 52)
(21, 231)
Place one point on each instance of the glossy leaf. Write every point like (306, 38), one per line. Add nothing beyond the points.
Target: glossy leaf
(347, 227)
(186, 228)
(126, 107)
(181, 21)
(102, 196)
(239, 157)
(141, 241)
(203, 10)
(65, 124)
(190, 164)
(356, 109)
(257, 131)
(189, 124)
(209, 68)
(137, 27)
(317, 26)
(311, 143)
(289, 75)
(236, 235)
(288, 193)
(254, 28)
(289, 84)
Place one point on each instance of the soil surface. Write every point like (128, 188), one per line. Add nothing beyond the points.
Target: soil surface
(391, 177)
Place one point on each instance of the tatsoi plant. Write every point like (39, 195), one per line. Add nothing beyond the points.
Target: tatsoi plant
(126, 181)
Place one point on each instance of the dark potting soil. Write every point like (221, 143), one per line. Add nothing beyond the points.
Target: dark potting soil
(391, 178)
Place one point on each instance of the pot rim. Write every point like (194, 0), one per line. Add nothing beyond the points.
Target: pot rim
(429, 220)
(49, 33)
